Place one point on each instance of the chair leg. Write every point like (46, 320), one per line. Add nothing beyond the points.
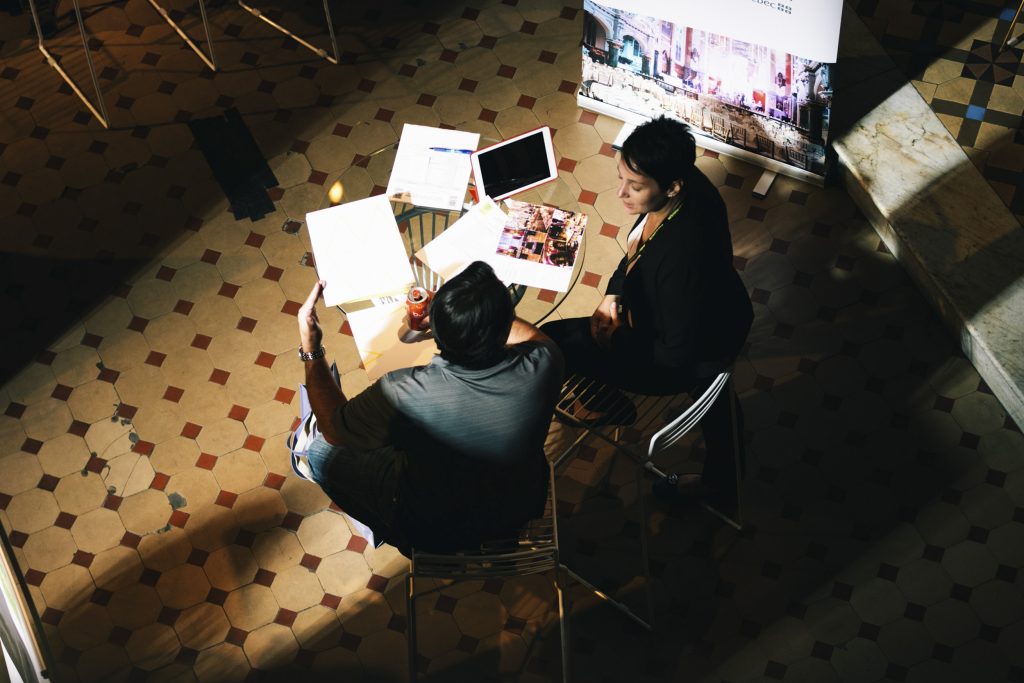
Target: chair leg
(562, 623)
(737, 521)
(410, 628)
(604, 596)
(645, 556)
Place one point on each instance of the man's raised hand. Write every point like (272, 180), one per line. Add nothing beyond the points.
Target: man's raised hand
(310, 333)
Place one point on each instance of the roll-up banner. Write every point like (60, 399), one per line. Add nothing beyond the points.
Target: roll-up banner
(751, 76)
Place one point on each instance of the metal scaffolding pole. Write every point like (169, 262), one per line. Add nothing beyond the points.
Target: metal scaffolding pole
(301, 41)
(100, 112)
(210, 61)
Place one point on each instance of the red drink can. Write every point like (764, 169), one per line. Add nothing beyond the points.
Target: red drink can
(417, 303)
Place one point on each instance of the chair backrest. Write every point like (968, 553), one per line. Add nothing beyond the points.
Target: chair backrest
(685, 421)
(532, 551)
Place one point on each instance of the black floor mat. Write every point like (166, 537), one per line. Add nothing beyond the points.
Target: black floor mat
(237, 163)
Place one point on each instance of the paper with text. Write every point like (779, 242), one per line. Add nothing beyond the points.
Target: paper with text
(473, 237)
(432, 166)
(380, 333)
(359, 251)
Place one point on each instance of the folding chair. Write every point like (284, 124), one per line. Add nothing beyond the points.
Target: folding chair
(534, 551)
(642, 413)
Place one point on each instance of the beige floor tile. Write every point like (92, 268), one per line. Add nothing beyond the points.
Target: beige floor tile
(211, 527)
(297, 588)
(70, 585)
(343, 574)
(223, 662)
(24, 471)
(85, 626)
(324, 534)
(303, 497)
(252, 384)
(157, 423)
(145, 512)
(32, 510)
(175, 455)
(93, 401)
(152, 646)
(230, 567)
(50, 549)
(277, 549)
(270, 647)
(167, 548)
(35, 383)
(250, 607)
(239, 470)
(183, 586)
(259, 509)
(375, 651)
(116, 569)
(202, 626)
(197, 487)
(97, 530)
(365, 613)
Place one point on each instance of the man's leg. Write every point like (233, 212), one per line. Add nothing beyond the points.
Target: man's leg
(362, 483)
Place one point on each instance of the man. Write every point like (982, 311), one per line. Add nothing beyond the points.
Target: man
(443, 456)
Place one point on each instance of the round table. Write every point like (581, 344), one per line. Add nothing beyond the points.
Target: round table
(368, 176)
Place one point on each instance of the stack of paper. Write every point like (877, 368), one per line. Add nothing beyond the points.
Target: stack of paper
(359, 251)
(432, 166)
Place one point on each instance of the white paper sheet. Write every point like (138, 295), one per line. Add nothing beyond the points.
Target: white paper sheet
(432, 166)
(473, 237)
(359, 251)
(385, 342)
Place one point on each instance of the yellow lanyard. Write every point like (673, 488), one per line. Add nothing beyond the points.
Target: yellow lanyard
(645, 242)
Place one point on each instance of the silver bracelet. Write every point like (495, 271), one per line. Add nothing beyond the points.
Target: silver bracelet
(312, 355)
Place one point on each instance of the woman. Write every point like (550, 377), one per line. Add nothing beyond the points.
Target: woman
(675, 312)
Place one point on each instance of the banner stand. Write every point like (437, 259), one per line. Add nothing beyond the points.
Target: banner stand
(772, 168)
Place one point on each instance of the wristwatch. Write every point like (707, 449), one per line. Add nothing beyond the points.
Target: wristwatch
(313, 355)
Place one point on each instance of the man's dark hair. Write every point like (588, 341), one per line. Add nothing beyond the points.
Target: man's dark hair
(471, 316)
(661, 148)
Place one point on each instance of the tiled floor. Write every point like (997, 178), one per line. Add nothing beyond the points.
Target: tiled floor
(150, 379)
(950, 50)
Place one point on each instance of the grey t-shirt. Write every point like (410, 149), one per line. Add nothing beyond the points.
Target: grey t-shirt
(473, 442)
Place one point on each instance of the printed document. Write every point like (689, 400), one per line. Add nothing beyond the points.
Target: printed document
(532, 245)
(432, 167)
(359, 251)
(473, 237)
(385, 342)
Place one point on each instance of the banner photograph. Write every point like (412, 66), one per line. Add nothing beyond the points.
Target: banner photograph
(804, 27)
(763, 100)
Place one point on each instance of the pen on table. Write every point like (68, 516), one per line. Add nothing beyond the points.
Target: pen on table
(449, 149)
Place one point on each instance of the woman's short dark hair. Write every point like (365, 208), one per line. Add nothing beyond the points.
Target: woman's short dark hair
(661, 148)
(471, 316)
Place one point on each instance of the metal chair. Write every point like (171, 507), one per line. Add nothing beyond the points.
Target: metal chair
(649, 412)
(534, 551)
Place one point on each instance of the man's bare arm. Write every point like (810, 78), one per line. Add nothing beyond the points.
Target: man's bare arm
(325, 397)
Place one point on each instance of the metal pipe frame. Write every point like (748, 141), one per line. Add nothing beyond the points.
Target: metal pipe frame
(301, 41)
(210, 61)
(100, 112)
(1009, 30)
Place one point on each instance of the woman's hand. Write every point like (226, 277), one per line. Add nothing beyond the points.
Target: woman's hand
(605, 320)
(310, 333)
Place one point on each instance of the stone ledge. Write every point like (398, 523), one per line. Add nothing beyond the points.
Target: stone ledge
(932, 208)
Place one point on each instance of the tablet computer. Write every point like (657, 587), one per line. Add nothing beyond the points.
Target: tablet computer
(514, 165)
